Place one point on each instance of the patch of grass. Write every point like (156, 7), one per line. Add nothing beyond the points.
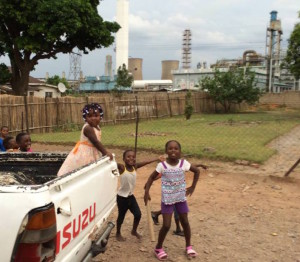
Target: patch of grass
(232, 136)
(67, 127)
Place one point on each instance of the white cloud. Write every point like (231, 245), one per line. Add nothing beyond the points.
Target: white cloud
(219, 37)
(220, 29)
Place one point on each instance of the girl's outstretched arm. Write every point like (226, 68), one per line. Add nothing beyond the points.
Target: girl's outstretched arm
(202, 166)
(90, 134)
(141, 164)
(148, 185)
(196, 171)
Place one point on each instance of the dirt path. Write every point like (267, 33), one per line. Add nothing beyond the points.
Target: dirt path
(237, 213)
(288, 152)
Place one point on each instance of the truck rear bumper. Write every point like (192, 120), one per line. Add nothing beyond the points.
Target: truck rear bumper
(99, 245)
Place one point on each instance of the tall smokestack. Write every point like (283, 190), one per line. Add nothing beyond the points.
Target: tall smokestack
(122, 34)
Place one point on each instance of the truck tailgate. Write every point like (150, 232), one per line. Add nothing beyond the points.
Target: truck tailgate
(83, 200)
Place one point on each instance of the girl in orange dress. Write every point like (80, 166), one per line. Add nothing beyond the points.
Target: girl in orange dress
(89, 148)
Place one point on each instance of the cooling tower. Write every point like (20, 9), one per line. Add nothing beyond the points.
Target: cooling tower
(135, 66)
(167, 67)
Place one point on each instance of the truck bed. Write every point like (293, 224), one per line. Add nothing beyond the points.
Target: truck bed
(29, 168)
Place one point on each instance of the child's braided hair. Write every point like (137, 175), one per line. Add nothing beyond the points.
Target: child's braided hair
(95, 107)
(167, 144)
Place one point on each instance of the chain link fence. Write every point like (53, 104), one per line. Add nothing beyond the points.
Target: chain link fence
(267, 135)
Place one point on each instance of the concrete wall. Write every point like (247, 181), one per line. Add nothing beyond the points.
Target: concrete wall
(289, 99)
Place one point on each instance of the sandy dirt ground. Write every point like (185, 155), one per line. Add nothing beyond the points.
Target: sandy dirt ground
(238, 212)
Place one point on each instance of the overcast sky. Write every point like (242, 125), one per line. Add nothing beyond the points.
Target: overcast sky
(220, 29)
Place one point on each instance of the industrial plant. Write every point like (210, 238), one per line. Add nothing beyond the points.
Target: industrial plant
(269, 75)
(176, 76)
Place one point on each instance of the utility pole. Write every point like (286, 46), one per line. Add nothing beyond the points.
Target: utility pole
(75, 69)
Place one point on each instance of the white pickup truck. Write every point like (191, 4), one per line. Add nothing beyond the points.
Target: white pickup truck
(47, 218)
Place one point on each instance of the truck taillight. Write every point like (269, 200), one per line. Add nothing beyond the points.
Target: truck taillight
(37, 236)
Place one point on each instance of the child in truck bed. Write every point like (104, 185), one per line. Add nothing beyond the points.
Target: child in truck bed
(10, 144)
(24, 142)
(3, 134)
(89, 148)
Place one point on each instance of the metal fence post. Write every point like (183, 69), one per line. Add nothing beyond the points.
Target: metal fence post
(136, 124)
(169, 104)
(156, 109)
(26, 113)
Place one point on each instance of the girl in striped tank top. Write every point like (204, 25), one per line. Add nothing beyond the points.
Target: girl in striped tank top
(174, 192)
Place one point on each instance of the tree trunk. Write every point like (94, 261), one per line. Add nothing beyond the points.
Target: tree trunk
(228, 108)
(224, 104)
(20, 74)
(20, 81)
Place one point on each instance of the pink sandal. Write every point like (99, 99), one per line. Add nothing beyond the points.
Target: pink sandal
(160, 254)
(191, 253)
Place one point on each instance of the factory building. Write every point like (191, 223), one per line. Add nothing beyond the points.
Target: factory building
(191, 78)
(152, 85)
(269, 76)
(97, 84)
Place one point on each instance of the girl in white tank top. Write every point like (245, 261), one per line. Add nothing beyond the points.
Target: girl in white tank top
(125, 197)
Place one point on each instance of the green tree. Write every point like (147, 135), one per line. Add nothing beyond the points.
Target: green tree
(32, 30)
(124, 79)
(5, 75)
(188, 109)
(232, 87)
(292, 60)
(55, 80)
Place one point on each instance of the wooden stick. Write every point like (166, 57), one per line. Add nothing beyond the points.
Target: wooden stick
(150, 222)
(293, 167)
